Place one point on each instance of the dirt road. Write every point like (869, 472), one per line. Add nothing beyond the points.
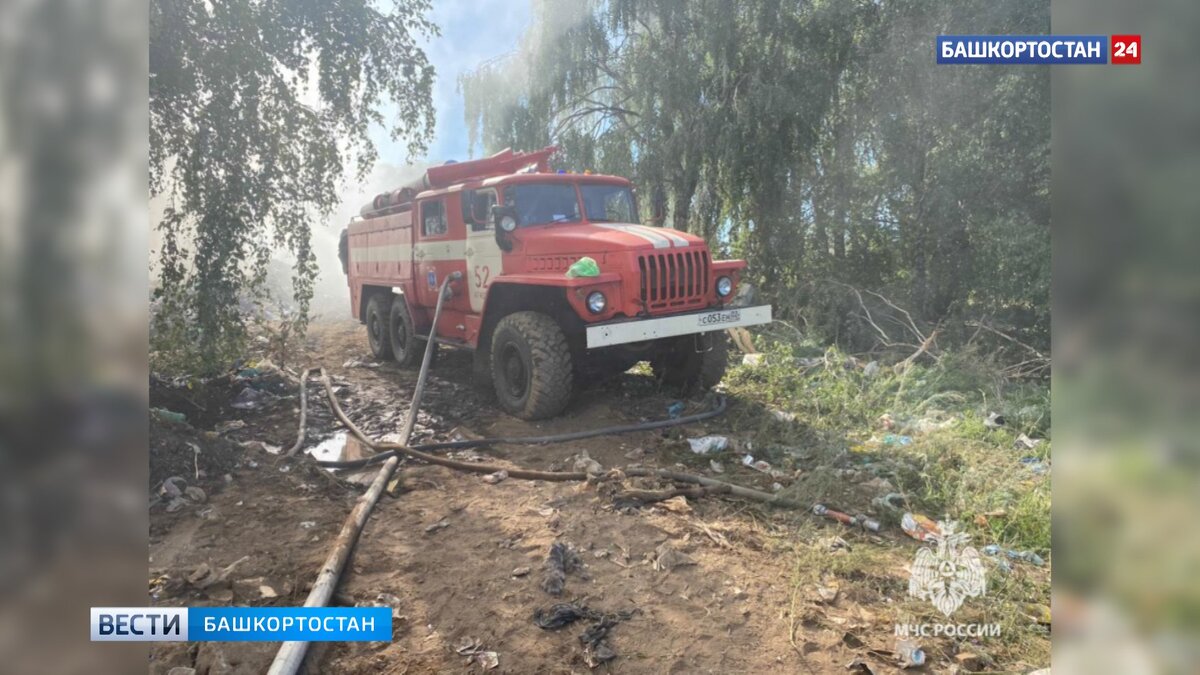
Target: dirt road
(476, 574)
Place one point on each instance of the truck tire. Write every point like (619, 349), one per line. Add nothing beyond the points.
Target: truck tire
(679, 365)
(377, 326)
(407, 348)
(531, 365)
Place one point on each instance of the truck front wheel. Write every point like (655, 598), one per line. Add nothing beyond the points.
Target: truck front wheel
(378, 310)
(692, 363)
(531, 365)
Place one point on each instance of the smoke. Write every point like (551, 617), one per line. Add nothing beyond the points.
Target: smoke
(331, 295)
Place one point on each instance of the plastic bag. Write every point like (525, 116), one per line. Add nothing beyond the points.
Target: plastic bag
(584, 267)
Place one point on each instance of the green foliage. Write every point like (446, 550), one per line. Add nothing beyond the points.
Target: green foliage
(819, 140)
(954, 464)
(256, 108)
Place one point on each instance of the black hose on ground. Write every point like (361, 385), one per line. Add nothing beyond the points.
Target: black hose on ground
(719, 408)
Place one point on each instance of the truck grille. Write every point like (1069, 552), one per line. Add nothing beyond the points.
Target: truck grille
(674, 280)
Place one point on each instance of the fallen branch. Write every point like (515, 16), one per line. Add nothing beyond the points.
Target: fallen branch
(652, 496)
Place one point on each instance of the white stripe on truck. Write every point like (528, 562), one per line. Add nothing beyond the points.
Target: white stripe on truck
(639, 330)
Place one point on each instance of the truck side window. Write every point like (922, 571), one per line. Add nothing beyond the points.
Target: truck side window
(477, 208)
(433, 218)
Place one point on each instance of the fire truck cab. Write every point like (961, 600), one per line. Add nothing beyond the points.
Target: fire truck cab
(513, 228)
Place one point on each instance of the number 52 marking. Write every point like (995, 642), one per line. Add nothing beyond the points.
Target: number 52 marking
(482, 276)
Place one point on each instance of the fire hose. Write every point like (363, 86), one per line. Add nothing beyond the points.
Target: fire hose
(393, 449)
(291, 654)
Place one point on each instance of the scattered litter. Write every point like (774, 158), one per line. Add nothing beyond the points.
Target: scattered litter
(776, 487)
(919, 527)
(860, 666)
(708, 444)
(846, 519)
(677, 504)
(439, 525)
(667, 558)
(560, 561)
(1024, 442)
(231, 425)
(389, 600)
(871, 369)
(762, 466)
(896, 439)
(308, 524)
(584, 267)
(994, 420)
(488, 660)
(716, 466)
(892, 501)
(828, 593)
(783, 415)
(359, 363)
(520, 571)
(675, 409)
(170, 487)
(169, 415)
(597, 649)
(464, 434)
(1026, 556)
(250, 398)
(582, 462)
(203, 576)
(473, 648)
(838, 544)
(562, 614)
(333, 449)
(262, 447)
(493, 478)
(753, 359)
(635, 454)
(811, 361)
(181, 670)
(911, 656)
(928, 424)
(1037, 466)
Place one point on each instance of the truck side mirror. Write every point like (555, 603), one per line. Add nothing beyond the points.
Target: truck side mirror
(504, 221)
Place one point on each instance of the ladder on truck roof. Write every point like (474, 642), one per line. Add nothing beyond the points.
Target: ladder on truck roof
(500, 164)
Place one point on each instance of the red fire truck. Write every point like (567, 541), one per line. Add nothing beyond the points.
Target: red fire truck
(513, 227)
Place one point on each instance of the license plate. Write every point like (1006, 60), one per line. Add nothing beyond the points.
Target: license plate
(718, 318)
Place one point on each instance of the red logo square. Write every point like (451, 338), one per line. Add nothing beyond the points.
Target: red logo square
(1126, 49)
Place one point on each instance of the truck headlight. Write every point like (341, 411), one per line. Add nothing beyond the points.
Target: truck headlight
(596, 302)
(724, 286)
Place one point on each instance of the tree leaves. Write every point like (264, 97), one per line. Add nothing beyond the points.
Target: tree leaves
(257, 108)
(820, 140)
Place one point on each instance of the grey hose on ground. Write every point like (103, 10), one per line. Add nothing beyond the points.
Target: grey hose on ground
(291, 654)
(718, 409)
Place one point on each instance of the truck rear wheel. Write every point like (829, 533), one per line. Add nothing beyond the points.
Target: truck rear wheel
(406, 348)
(531, 365)
(685, 362)
(377, 326)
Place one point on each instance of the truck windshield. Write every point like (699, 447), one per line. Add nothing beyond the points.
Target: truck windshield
(608, 203)
(541, 203)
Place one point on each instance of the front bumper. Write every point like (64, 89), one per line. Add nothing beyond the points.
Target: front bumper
(638, 330)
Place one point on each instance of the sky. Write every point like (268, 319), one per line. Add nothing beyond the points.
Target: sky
(473, 31)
